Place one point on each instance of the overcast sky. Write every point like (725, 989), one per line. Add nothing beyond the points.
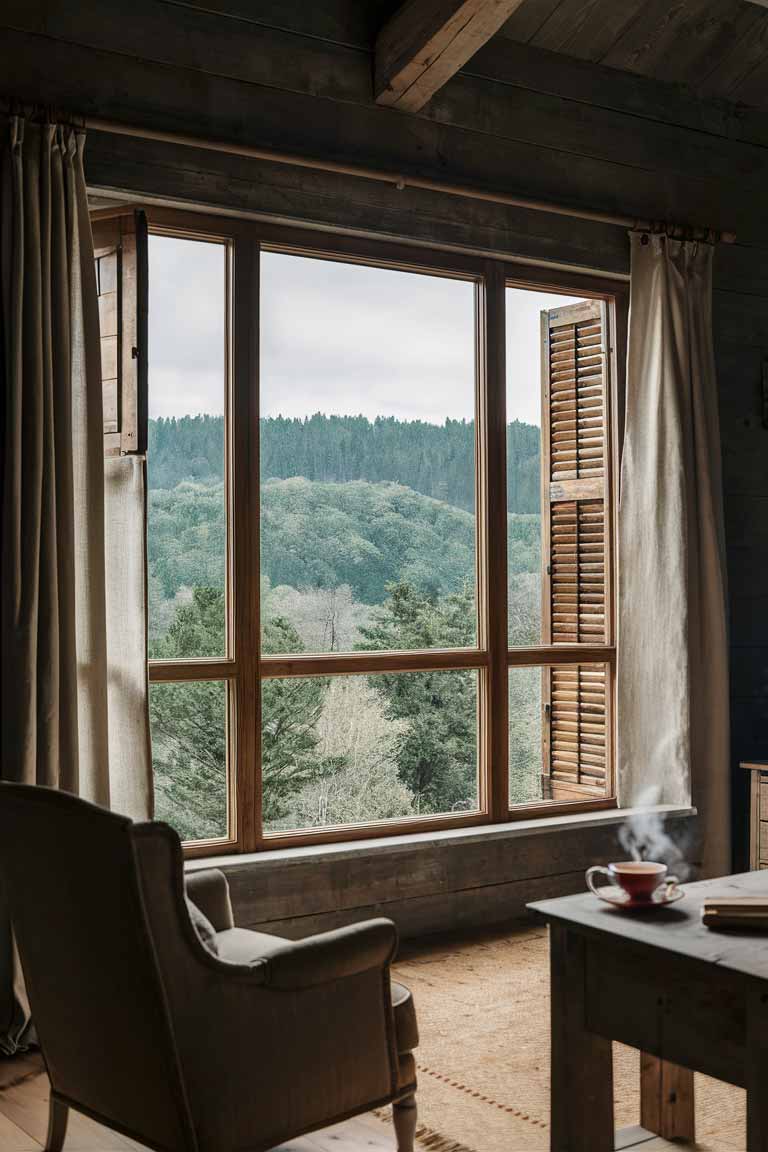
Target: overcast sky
(335, 338)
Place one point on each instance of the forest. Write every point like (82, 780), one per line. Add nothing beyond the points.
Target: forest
(367, 543)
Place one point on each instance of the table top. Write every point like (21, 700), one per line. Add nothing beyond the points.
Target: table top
(675, 929)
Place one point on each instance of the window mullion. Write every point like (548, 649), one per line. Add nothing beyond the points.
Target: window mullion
(492, 520)
(245, 450)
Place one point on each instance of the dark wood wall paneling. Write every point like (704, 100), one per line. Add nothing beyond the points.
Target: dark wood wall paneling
(427, 886)
(521, 118)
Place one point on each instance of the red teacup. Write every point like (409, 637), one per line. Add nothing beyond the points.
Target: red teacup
(638, 878)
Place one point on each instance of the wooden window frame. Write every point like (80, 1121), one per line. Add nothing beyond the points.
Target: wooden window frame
(245, 666)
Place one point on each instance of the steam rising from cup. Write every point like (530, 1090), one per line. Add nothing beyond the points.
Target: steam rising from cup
(642, 836)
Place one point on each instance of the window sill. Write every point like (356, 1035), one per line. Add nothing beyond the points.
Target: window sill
(477, 834)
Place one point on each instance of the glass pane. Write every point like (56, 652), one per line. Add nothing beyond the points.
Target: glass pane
(524, 346)
(189, 757)
(525, 736)
(367, 458)
(358, 749)
(186, 518)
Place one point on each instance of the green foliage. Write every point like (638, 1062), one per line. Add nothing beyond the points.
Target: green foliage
(437, 752)
(437, 460)
(189, 726)
(189, 448)
(361, 742)
(291, 709)
(197, 630)
(367, 542)
(322, 535)
(186, 542)
(525, 724)
(189, 757)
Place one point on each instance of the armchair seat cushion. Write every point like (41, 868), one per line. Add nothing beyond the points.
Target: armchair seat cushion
(243, 946)
(405, 1018)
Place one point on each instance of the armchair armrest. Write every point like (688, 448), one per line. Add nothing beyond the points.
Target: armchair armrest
(209, 890)
(331, 956)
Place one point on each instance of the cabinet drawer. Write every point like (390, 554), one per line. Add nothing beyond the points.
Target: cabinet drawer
(763, 841)
(763, 797)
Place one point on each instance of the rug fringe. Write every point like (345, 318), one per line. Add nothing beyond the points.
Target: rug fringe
(436, 1142)
(428, 1138)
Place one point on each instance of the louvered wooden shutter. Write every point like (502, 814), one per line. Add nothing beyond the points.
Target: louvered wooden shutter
(120, 251)
(575, 544)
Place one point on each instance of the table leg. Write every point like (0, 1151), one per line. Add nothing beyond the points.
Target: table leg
(757, 1072)
(666, 1099)
(582, 1062)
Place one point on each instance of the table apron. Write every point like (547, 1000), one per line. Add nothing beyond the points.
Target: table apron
(675, 1009)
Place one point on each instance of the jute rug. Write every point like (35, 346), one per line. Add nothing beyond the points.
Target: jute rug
(483, 1061)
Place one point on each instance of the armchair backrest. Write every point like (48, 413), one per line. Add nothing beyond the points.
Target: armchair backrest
(90, 964)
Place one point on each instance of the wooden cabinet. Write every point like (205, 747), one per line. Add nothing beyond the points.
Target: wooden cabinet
(758, 812)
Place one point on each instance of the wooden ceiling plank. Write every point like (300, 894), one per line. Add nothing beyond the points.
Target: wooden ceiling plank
(528, 19)
(702, 41)
(571, 17)
(753, 89)
(647, 37)
(739, 61)
(428, 41)
(597, 35)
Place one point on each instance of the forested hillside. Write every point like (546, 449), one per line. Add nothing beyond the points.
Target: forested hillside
(434, 459)
(368, 543)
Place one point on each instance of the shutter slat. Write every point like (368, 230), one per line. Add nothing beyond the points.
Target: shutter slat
(573, 390)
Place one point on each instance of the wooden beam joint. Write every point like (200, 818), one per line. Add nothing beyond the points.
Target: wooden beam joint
(427, 41)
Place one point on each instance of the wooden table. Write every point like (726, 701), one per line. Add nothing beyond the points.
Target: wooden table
(688, 998)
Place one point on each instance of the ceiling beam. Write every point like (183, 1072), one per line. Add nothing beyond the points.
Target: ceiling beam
(427, 41)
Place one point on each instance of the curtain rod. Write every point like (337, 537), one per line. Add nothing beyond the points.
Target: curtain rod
(400, 181)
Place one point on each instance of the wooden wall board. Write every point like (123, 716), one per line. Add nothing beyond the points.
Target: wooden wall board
(351, 22)
(541, 141)
(428, 885)
(422, 916)
(152, 95)
(280, 192)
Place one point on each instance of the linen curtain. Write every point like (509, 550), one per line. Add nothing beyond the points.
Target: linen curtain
(73, 694)
(673, 687)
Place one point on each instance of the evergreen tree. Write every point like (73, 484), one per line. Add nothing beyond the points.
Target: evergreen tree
(437, 460)
(189, 726)
(437, 753)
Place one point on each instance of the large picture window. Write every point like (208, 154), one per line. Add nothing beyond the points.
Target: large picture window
(380, 536)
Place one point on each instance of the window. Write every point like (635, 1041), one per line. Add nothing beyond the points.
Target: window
(379, 535)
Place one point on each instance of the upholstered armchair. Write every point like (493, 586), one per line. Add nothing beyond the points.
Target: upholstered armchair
(196, 1037)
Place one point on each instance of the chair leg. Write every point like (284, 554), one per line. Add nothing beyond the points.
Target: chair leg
(58, 1114)
(404, 1118)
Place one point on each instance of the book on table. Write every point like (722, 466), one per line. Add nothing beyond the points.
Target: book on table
(735, 912)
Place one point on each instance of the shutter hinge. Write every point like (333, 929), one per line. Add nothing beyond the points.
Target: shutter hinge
(134, 353)
(549, 569)
(548, 713)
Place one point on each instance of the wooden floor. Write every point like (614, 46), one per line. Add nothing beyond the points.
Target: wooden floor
(24, 1118)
